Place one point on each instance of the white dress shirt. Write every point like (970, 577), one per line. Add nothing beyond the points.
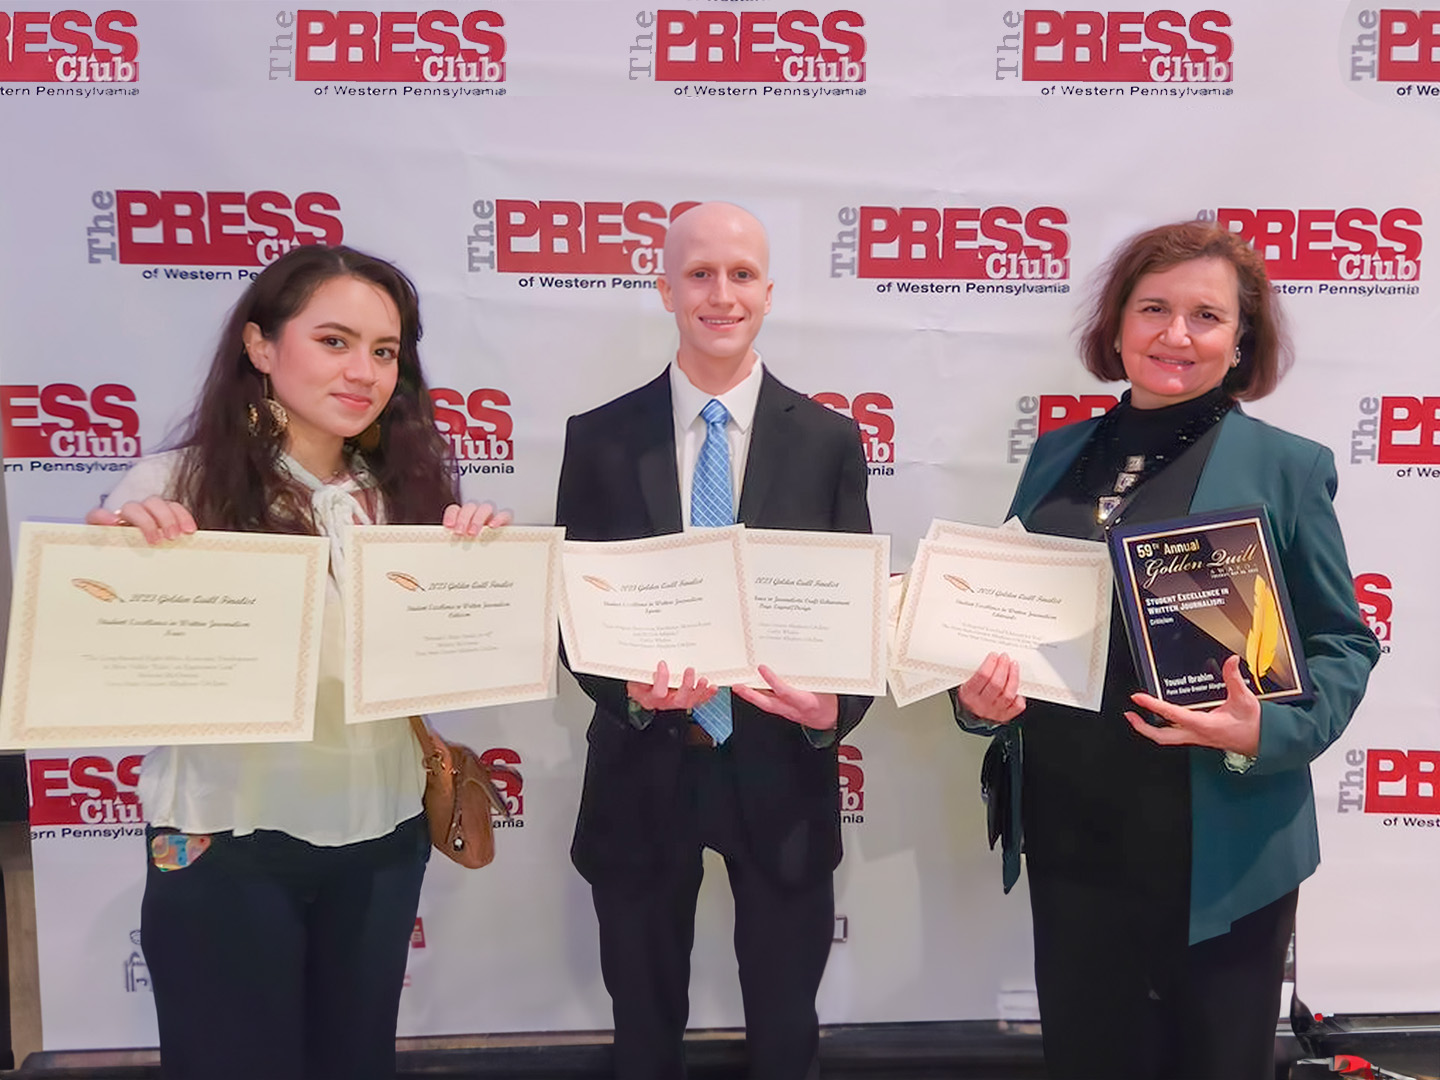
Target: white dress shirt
(687, 400)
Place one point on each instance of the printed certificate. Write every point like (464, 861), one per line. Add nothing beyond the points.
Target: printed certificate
(1044, 600)
(211, 638)
(908, 687)
(683, 598)
(435, 622)
(1198, 589)
(820, 603)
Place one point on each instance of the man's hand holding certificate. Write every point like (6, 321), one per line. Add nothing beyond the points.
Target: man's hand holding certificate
(1043, 600)
(720, 601)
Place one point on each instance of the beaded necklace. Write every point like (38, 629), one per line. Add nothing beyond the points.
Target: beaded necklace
(1137, 468)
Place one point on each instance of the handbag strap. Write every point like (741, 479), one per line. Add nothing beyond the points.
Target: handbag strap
(422, 732)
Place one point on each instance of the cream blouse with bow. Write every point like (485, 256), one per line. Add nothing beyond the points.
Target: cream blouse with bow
(353, 782)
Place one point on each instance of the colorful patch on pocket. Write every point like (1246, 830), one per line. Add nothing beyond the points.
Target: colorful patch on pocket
(176, 851)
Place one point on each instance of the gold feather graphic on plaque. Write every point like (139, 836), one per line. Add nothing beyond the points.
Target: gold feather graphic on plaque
(959, 582)
(405, 581)
(599, 582)
(1264, 636)
(98, 589)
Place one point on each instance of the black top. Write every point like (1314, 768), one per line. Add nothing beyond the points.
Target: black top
(1101, 804)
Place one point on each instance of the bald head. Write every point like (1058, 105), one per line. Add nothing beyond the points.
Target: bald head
(716, 222)
(717, 285)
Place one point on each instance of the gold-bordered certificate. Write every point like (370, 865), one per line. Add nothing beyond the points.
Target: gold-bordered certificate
(820, 605)
(211, 638)
(1044, 600)
(437, 622)
(683, 598)
(908, 687)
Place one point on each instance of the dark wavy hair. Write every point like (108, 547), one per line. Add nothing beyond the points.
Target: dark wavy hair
(1265, 350)
(231, 478)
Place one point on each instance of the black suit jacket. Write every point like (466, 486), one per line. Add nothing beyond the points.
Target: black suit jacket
(805, 470)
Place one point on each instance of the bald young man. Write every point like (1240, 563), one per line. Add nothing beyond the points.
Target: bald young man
(751, 774)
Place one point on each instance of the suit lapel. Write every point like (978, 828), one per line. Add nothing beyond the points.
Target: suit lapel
(1043, 472)
(654, 441)
(773, 414)
(1225, 469)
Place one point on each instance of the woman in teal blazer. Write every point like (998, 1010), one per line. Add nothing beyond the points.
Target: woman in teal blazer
(1164, 859)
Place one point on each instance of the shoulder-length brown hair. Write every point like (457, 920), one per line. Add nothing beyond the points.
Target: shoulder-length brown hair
(1265, 350)
(231, 476)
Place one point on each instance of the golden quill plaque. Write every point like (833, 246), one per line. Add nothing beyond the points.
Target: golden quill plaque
(1198, 589)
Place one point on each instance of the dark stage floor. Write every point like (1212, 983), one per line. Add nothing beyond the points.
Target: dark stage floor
(972, 1050)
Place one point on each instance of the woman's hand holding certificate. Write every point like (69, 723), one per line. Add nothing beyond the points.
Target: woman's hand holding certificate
(975, 593)
(212, 637)
(159, 634)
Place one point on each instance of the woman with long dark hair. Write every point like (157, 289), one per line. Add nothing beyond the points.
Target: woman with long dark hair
(1164, 860)
(284, 878)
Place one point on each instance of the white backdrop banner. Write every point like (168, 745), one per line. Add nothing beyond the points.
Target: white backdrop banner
(940, 182)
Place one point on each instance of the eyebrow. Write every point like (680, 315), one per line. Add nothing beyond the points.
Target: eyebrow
(1165, 300)
(353, 333)
(706, 264)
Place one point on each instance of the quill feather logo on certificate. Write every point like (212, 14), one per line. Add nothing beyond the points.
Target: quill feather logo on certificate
(1198, 589)
(98, 589)
(405, 581)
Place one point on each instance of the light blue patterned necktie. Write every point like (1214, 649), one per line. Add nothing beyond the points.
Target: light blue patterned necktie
(712, 505)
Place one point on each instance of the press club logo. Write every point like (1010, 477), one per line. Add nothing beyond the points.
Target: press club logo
(174, 229)
(1393, 45)
(702, 49)
(67, 421)
(411, 47)
(1138, 47)
(1402, 784)
(478, 426)
(871, 413)
(563, 244)
(1036, 415)
(69, 47)
(1360, 245)
(75, 796)
(942, 246)
(1372, 593)
(510, 783)
(1398, 430)
(852, 785)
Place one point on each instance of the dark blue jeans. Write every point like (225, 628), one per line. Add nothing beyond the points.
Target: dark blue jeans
(272, 957)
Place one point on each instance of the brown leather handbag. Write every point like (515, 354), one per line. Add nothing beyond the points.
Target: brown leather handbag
(459, 797)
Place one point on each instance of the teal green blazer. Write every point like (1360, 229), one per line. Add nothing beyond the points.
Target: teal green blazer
(1253, 834)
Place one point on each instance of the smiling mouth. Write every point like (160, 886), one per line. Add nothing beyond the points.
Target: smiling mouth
(1173, 362)
(719, 323)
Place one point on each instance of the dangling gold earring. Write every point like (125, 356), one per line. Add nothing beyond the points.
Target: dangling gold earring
(279, 418)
